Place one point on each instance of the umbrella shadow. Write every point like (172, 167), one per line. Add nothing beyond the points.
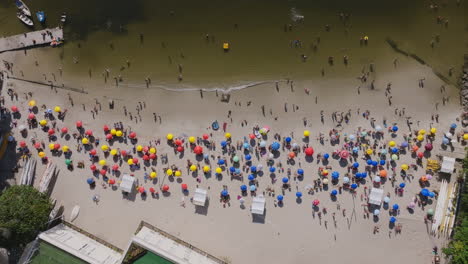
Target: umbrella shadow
(375, 218)
(298, 200)
(199, 158)
(333, 198)
(343, 163)
(306, 139)
(391, 225)
(16, 115)
(202, 210)
(309, 159)
(166, 194)
(427, 154)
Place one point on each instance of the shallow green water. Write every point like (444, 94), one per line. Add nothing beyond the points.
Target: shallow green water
(174, 33)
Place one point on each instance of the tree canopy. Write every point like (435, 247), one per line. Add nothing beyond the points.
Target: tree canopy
(24, 212)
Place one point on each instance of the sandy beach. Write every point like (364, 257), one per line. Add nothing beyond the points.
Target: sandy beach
(293, 231)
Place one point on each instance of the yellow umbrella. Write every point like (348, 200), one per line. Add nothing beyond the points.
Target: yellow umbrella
(170, 136)
(85, 141)
(193, 167)
(105, 148)
(32, 103)
(404, 167)
(192, 139)
(65, 148)
(227, 135)
(51, 146)
(306, 133)
(392, 143)
(42, 154)
(169, 172)
(369, 151)
(113, 132)
(139, 148)
(422, 132)
(57, 109)
(118, 133)
(178, 173)
(130, 161)
(206, 168)
(465, 136)
(152, 150)
(420, 137)
(43, 122)
(433, 130)
(102, 162)
(153, 175)
(113, 152)
(219, 170)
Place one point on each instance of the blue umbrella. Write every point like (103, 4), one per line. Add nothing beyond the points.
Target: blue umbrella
(354, 186)
(272, 169)
(358, 175)
(326, 156)
(248, 157)
(404, 144)
(275, 145)
(223, 143)
(285, 179)
(287, 139)
(11, 139)
(298, 194)
(431, 194)
(383, 151)
(334, 192)
(369, 162)
(206, 156)
(251, 177)
(237, 171)
(394, 128)
(246, 145)
(232, 169)
(49, 111)
(224, 193)
(402, 185)
(262, 144)
(300, 171)
(280, 197)
(90, 180)
(335, 175)
(374, 163)
(221, 162)
(355, 150)
(363, 174)
(386, 199)
(356, 165)
(382, 162)
(425, 192)
(396, 207)
(253, 169)
(392, 219)
(445, 141)
(253, 188)
(394, 150)
(453, 126)
(243, 188)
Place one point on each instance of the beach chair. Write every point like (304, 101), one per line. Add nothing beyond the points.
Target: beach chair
(258, 205)
(200, 196)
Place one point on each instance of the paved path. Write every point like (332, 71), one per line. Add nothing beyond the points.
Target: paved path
(30, 39)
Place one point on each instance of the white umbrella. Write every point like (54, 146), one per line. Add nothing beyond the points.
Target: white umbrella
(377, 179)
(376, 212)
(21, 127)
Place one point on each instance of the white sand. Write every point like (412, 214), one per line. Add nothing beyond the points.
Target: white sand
(290, 234)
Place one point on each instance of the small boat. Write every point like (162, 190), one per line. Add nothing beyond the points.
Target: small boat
(215, 125)
(63, 17)
(22, 7)
(41, 16)
(26, 20)
(56, 42)
(74, 213)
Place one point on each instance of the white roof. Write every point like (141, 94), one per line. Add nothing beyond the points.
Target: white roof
(258, 205)
(168, 248)
(448, 165)
(127, 183)
(80, 246)
(375, 196)
(199, 198)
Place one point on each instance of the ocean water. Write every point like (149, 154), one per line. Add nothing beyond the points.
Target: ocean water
(268, 38)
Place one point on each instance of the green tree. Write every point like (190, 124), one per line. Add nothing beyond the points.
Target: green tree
(457, 249)
(24, 212)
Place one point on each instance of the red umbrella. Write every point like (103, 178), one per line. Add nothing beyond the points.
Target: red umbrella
(178, 142)
(103, 172)
(205, 136)
(89, 132)
(64, 130)
(309, 151)
(316, 202)
(184, 186)
(14, 109)
(115, 167)
(31, 116)
(51, 131)
(93, 152)
(415, 148)
(145, 149)
(37, 145)
(56, 146)
(152, 156)
(111, 181)
(106, 128)
(292, 155)
(420, 155)
(344, 154)
(92, 167)
(109, 136)
(180, 149)
(165, 188)
(141, 189)
(123, 153)
(132, 135)
(23, 144)
(146, 157)
(152, 190)
(135, 160)
(198, 150)
(79, 124)
(251, 136)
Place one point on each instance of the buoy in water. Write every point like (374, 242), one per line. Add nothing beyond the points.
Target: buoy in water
(226, 46)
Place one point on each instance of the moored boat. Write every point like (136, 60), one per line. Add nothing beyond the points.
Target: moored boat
(26, 20)
(41, 16)
(22, 7)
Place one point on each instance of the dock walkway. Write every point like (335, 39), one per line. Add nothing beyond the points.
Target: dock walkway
(30, 39)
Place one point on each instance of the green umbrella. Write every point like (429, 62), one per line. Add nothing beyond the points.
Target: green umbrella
(394, 157)
(68, 162)
(235, 159)
(430, 212)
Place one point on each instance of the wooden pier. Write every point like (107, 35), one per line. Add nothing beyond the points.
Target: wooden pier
(30, 39)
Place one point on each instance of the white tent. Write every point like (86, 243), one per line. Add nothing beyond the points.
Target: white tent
(127, 183)
(448, 165)
(199, 198)
(258, 205)
(375, 196)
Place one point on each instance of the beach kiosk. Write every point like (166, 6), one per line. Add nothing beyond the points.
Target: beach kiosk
(258, 205)
(127, 183)
(448, 165)
(375, 196)
(199, 198)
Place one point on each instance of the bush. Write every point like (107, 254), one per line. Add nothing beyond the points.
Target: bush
(24, 212)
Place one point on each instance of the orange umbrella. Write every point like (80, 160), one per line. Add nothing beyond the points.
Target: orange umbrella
(415, 148)
(383, 173)
(423, 178)
(292, 155)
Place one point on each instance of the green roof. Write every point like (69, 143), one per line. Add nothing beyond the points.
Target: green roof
(150, 258)
(49, 254)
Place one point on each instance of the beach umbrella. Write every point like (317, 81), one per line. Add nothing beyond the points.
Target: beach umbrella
(115, 167)
(178, 142)
(253, 169)
(324, 172)
(14, 109)
(219, 170)
(68, 162)
(79, 124)
(180, 149)
(431, 194)
(306, 133)
(396, 207)
(275, 145)
(404, 144)
(169, 136)
(221, 162)
(251, 177)
(420, 138)
(285, 180)
(382, 162)
(414, 148)
(93, 152)
(428, 176)
(132, 135)
(386, 199)
(354, 186)
(345, 180)
(334, 192)
(369, 151)
(425, 192)
(251, 136)
(394, 150)
(246, 145)
(363, 133)
(37, 145)
(113, 132)
(102, 162)
(193, 167)
(392, 144)
(93, 167)
(355, 165)
(104, 148)
(374, 163)
(31, 116)
(141, 189)
(428, 147)
(165, 188)
(32, 103)
(152, 150)
(111, 181)
(392, 219)
(64, 130)
(105, 128)
(235, 159)
(445, 141)
(376, 212)
(103, 172)
(139, 148)
(394, 157)
(383, 152)
(369, 162)
(169, 172)
(325, 181)
(298, 194)
(145, 157)
(41, 154)
(65, 148)
(56, 146)
(280, 198)
(89, 132)
(153, 175)
(90, 181)
(402, 185)
(377, 179)
(383, 173)
(184, 186)
(453, 126)
(465, 136)
(272, 169)
(300, 171)
(57, 109)
(378, 128)
(292, 155)
(109, 136)
(352, 137)
(335, 175)
(309, 151)
(344, 154)
(152, 190)
(253, 188)
(43, 122)
(114, 152)
(395, 128)
(404, 167)
(192, 140)
(259, 167)
(22, 144)
(224, 193)
(123, 153)
(316, 202)
(206, 168)
(430, 212)
(248, 157)
(51, 146)
(243, 187)
(178, 173)
(326, 156)
(232, 169)
(223, 143)
(198, 150)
